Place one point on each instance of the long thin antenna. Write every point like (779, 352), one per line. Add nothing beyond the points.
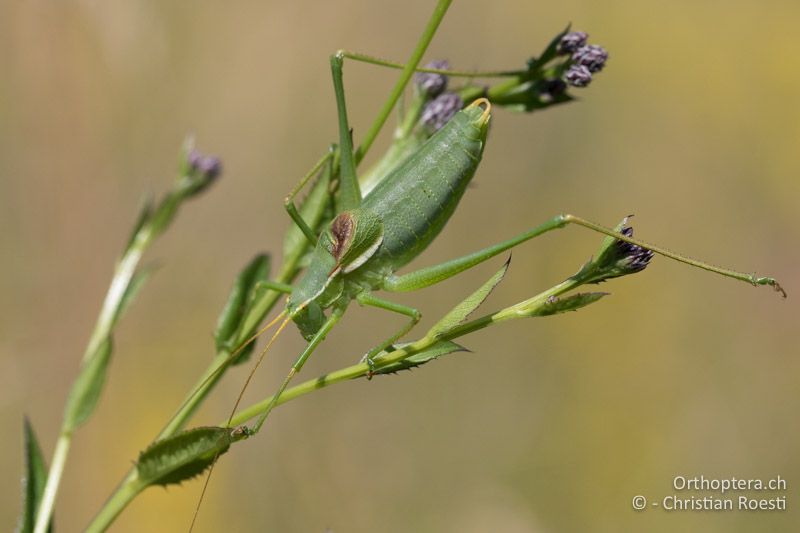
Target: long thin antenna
(225, 363)
(238, 401)
(258, 363)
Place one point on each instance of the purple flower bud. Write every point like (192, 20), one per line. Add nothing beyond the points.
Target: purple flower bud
(430, 83)
(616, 258)
(591, 56)
(634, 257)
(441, 109)
(572, 41)
(193, 159)
(578, 76)
(210, 166)
(200, 172)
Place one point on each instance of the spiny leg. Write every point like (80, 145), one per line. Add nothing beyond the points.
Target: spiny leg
(288, 202)
(436, 273)
(366, 298)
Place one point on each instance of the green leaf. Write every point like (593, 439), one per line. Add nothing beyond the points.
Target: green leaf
(244, 290)
(87, 386)
(182, 456)
(33, 481)
(434, 352)
(460, 312)
(574, 302)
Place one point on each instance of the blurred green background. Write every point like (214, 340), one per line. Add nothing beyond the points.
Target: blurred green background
(553, 424)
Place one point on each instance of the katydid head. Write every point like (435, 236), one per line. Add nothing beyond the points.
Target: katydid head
(347, 243)
(352, 238)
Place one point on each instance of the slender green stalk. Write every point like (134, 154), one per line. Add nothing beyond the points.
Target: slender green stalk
(405, 76)
(128, 488)
(53, 481)
(117, 297)
(127, 491)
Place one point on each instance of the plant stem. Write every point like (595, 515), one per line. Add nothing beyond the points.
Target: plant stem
(127, 491)
(128, 488)
(109, 312)
(122, 495)
(53, 480)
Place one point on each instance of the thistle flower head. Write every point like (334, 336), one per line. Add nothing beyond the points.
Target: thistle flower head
(572, 41)
(432, 84)
(591, 56)
(441, 109)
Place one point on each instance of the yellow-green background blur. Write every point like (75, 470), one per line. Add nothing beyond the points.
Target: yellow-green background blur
(553, 424)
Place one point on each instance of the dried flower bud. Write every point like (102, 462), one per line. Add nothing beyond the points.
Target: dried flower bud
(591, 56)
(633, 257)
(441, 109)
(432, 84)
(572, 41)
(616, 258)
(578, 76)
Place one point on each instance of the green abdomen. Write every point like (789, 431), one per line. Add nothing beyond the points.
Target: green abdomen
(417, 199)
